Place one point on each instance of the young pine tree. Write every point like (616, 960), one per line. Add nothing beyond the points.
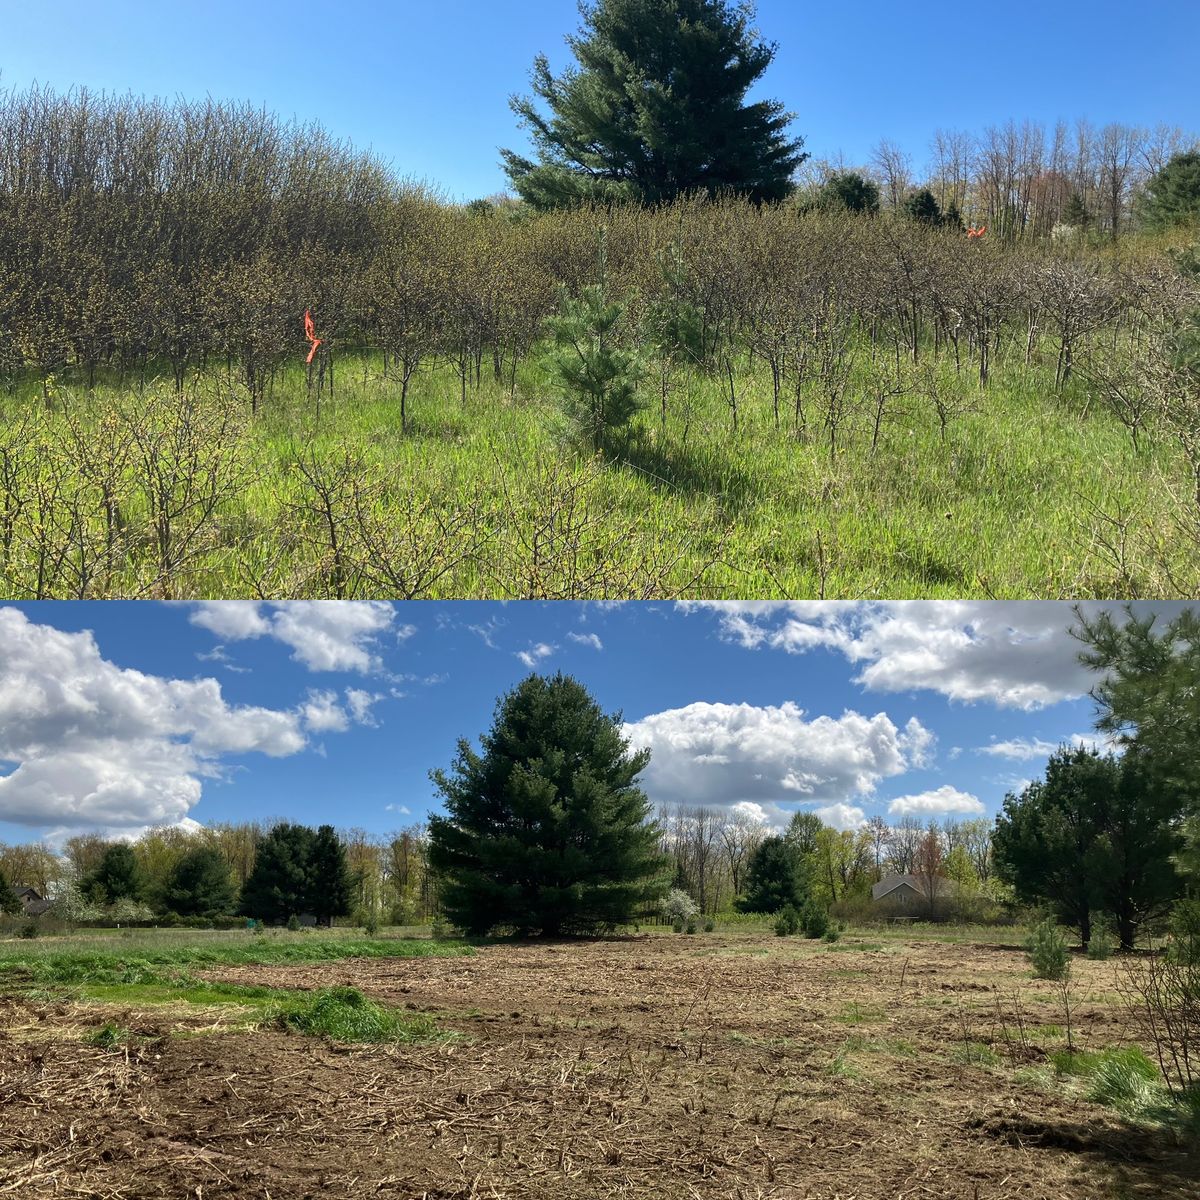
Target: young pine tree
(598, 379)
(546, 831)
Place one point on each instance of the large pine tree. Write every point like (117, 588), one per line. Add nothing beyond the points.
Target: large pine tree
(279, 885)
(546, 831)
(331, 882)
(1096, 835)
(199, 884)
(116, 877)
(655, 108)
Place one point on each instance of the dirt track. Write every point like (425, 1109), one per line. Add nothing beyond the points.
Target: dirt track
(662, 1066)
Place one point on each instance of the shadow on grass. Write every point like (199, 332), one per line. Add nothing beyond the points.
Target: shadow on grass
(1149, 1160)
(676, 468)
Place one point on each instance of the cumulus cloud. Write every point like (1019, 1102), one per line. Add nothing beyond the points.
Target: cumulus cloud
(587, 639)
(1016, 654)
(535, 654)
(945, 799)
(100, 745)
(730, 755)
(842, 816)
(324, 635)
(323, 714)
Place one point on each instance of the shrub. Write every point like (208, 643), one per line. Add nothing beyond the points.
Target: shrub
(29, 930)
(1048, 951)
(814, 920)
(1103, 940)
(126, 911)
(678, 906)
(832, 935)
(677, 926)
(788, 921)
(709, 925)
(691, 926)
(293, 923)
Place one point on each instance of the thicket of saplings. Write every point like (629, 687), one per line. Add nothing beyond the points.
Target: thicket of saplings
(162, 434)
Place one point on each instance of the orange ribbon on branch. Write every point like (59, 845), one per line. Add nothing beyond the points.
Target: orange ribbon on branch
(972, 232)
(310, 333)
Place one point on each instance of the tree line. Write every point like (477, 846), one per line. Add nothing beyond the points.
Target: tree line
(716, 856)
(268, 870)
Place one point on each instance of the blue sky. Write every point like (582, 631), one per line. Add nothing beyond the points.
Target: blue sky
(118, 715)
(426, 85)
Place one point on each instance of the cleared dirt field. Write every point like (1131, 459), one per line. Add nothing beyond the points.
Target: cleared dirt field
(675, 1066)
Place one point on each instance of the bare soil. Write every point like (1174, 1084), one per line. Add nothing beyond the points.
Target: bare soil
(665, 1066)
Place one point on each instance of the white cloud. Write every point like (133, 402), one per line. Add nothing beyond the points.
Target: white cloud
(403, 809)
(729, 754)
(360, 702)
(324, 635)
(587, 639)
(100, 745)
(323, 714)
(1024, 749)
(945, 799)
(535, 654)
(1016, 654)
(842, 816)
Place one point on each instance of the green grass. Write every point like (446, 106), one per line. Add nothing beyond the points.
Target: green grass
(156, 957)
(1006, 505)
(344, 1014)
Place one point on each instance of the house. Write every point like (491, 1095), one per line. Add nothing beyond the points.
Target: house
(908, 895)
(32, 901)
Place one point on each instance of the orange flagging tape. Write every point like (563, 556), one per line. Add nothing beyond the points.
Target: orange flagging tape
(310, 333)
(972, 232)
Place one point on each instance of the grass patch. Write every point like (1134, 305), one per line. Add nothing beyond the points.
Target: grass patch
(155, 961)
(344, 1014)
(976, 1054)
(858, 1014)
(107, 1037)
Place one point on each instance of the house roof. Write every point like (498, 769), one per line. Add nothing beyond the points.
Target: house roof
(27, 893)
(889, 883)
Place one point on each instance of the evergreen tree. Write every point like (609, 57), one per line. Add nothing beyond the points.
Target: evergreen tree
(851, 191)
(952, 218)
(199, 885)
(116, 877)
(331, 882)
(1090, 838)
(1172, 195)
(546, 831)
(655, 108)
(1075, 213)
(279, 886)
(597, 377)
(1149, 698)
(9, 901)
(922, 206)
(775, 877)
